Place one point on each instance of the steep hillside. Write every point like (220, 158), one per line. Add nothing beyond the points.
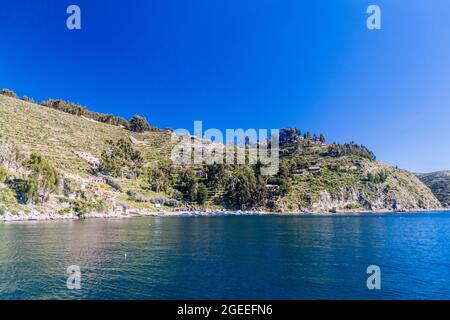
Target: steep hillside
(313, 176)
(439, 183)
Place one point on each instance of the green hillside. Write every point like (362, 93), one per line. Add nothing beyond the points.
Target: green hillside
(136, 172)
(439, 183)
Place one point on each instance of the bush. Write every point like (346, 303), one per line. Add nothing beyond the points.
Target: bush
(93, 205)
(70, 186)
(378, 177)
(7, 196)
(138, 124)
(113, 184)
(27, 99)
(352, 206)
(135, 196)
(64, 211)
(78, 110)
(164, 201)
(8, 93)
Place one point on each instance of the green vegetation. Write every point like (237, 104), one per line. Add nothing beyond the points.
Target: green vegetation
(119, 157)
(350, 149)
(439, 183)
(46, 164)
(8, 93)
(378, 177)
(78, 110)
(82, 207)
(43, 179)
(138, 124)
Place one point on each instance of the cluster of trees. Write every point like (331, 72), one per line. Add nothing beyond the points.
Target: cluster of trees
(291, 135)
(119, 158)
(192, 188)
(136, 123)
(350, 149)
(42, 181)
(241, 186)
(245, 187)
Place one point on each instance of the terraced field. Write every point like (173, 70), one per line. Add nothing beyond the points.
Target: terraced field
(56, 135)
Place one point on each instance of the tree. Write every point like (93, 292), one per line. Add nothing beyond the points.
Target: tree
(350, 149)
(307, 136)
(202, 193)
(159, 178)
(215, 173)
(289, 135)
(242, 188)
(322, 138)
(120, 155)
(43, 179)
(138, 124)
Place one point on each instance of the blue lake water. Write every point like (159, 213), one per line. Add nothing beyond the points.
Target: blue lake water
(243, 257)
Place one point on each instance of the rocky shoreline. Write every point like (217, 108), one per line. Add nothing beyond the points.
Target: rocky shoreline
(51, 216)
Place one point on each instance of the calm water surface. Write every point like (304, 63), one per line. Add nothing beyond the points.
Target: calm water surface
(244, 257)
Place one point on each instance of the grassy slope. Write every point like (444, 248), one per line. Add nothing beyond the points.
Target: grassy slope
(56, 135)
(439, 183)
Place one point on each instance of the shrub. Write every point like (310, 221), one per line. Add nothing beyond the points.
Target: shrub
(135, 196)
(93, 205)
(138, 124)
(164, 201)
(78, 110)
(8, 93)
(7, 196)
(378, 177)
(113, 184)
(64, 211)
(27, 99)
(171, 203)
(70, 186)
(352, 206)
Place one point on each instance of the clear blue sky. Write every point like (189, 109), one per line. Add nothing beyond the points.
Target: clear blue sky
(247, 64)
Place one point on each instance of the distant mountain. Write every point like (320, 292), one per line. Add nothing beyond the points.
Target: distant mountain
(439, 183)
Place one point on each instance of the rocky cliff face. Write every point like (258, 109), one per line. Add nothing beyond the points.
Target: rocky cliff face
(400, 191)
